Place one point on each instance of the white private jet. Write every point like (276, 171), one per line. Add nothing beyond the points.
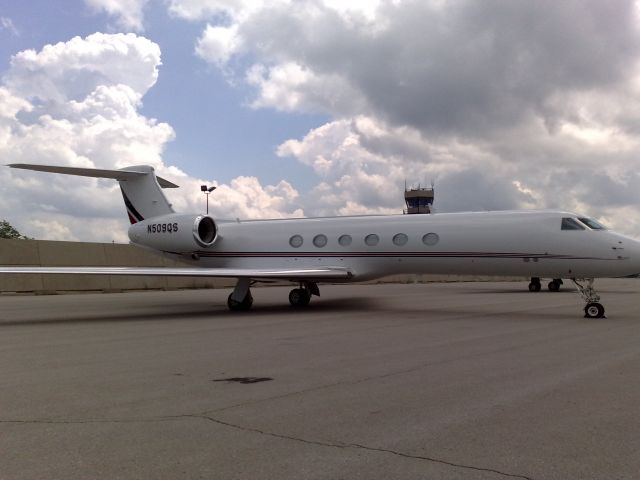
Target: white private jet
(307, 251)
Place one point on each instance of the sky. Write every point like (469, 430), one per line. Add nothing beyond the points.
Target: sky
(319, 107)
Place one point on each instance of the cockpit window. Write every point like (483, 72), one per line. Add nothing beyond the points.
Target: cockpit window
(569, 223)
(592, 224)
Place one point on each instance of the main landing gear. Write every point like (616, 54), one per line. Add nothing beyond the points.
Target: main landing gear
(242, 300)
(535, 285)
(553, 286)
(593, 307)
(300, 297)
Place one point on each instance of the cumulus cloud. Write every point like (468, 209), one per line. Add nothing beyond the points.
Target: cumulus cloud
(364, 166)
(230, 9)
(218, 44)
(77, 103)
(506, 104)
(128, 13)
(72, 70)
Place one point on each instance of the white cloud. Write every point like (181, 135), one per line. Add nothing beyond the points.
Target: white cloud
(206, 9)
(501, 102)
(291, 87)
(47, 119)
(72, 70)
(7, 24)
(504, 104)
(129, 13)
(218, 44)
(364, 165)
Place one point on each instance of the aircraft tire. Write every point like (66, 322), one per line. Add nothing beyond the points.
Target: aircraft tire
(534, 287)
(299, 297)
(554, 286)
(593, 310)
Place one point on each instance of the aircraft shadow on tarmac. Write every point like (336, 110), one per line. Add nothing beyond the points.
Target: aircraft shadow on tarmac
(204, 310)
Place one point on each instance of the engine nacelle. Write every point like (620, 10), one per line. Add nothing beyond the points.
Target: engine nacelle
(175, 233)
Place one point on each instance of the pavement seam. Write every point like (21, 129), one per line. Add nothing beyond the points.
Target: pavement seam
(359, 446)
(271, 434)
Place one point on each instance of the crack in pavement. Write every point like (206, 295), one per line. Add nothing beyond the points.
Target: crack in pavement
(360, 446)
(270, 434)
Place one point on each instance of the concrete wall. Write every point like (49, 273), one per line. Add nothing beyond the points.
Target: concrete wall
(56, 254)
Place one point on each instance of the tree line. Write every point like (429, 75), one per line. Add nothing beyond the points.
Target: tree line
(8, 231)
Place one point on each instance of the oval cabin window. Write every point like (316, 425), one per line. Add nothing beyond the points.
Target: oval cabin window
(372, 239)
(296, 241)
(345, 240)
(430, 239)
(320, 240)
(400, 239)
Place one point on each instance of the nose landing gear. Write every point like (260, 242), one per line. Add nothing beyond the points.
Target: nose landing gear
(593, 307)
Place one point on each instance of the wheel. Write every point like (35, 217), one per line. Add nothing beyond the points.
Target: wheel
(554, 286)
(299, 297)
(245, 304)
(593, 310)
(534, 287)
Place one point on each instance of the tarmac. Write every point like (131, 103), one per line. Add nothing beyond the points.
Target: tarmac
(415, 381)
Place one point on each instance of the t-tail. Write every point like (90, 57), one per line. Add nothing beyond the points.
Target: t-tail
(154, 224)
(141, 188)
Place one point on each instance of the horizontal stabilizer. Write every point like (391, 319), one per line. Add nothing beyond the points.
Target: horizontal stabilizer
(120, 175)
(257, 274)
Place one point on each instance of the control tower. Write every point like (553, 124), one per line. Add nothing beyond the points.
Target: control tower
(418, 200)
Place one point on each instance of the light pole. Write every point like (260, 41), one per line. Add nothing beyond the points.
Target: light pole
(207, 190)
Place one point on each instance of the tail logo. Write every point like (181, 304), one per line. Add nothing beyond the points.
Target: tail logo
(134, 215)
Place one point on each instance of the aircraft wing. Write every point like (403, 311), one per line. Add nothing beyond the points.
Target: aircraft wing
(256, 274)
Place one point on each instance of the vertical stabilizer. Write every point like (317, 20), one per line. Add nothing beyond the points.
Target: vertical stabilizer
(142, 194)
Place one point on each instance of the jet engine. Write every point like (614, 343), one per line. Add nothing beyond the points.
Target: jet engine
(175, 233)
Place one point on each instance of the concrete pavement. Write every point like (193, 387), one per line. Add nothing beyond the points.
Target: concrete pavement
(437, 381)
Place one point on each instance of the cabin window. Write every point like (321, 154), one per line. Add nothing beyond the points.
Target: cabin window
(296, 241)
(592, 224)
(372, 239)
(571, 224)
(400, 239)
(345, 240)
(430, 239)
(320, 240)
